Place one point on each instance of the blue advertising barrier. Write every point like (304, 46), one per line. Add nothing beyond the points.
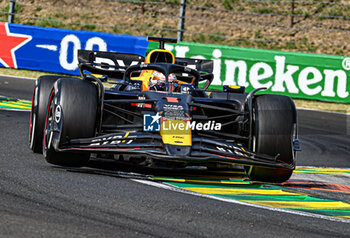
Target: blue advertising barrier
(55, 50)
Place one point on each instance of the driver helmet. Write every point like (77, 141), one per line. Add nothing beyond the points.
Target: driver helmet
(157, 81)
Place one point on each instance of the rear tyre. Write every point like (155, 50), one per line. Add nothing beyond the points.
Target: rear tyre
(72, 111)
(41, 93)
(273, 133)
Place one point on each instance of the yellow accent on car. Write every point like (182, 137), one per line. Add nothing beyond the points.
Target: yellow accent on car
(234, 86)
(160, 56)
(155, 56)
(145, 76)
(97, 75)
(176, 132)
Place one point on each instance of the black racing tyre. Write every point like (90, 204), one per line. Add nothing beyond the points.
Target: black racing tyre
(273, 133)
(41, 93)
(77, 101)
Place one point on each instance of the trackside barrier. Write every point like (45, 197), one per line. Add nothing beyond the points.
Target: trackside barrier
(299, 75)
(55, 50)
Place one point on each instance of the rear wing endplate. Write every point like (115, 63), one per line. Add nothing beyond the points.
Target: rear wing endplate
(109, 60)
(112, 64)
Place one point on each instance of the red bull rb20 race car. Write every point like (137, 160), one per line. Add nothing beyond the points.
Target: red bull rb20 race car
(157, 111)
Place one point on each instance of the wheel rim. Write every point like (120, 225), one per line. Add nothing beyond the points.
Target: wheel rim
(32, 122)
(250, 170)
(32, 128)
(49, 122)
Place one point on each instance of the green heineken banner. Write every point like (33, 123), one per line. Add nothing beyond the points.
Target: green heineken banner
(298, 75)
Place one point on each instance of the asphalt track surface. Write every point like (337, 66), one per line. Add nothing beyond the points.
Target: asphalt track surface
(40, 200)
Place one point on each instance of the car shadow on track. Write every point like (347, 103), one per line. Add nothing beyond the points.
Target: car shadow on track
(200, 176)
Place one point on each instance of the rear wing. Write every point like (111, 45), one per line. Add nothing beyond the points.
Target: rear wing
(200, 65)
(204, 67)
(112, 64)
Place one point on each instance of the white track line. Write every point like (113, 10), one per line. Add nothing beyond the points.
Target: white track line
(16, 110)
(318, 167)
(318, 110)
(177, 189)
(17, 77)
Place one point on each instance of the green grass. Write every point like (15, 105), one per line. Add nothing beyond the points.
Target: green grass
(25, 73)
(320, 105)
(49, 23)
(311, 104)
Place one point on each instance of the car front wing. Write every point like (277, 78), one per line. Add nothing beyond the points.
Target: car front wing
(203, 149)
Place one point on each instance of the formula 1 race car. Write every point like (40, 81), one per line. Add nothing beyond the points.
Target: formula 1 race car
(158, 111)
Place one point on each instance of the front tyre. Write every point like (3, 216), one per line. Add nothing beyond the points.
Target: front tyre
(71, 114)
(41, 93)
(274, 128)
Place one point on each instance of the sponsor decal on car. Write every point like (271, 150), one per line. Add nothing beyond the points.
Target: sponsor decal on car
(58, 113)
(175, 112)
(111, 140)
